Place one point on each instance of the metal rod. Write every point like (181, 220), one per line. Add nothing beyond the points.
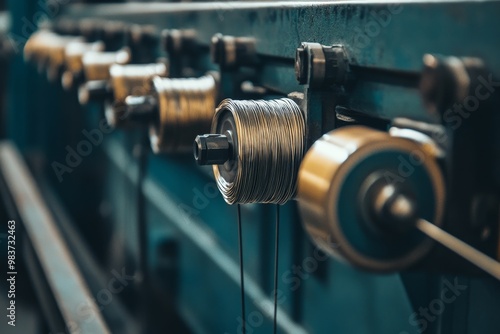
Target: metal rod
(469, 253)
(66, 282)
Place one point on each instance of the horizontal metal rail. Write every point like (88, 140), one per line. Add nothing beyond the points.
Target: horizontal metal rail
(66, 282)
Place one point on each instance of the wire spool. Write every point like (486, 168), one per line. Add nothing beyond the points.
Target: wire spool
(96, 64)
(47, 49)
(35, 43)
(74, 61)
(37, 46)
(130, 80)
(185, 108)
(342, 181)
(56, 55)
(266, 145)
(134, 79)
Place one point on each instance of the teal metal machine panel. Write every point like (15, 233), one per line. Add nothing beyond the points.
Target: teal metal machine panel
(162, 218)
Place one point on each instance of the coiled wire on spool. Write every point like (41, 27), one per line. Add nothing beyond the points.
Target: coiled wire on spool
(134, 79)
(47, 50)
(74, 53)
(267, 143)
(186, 108)
(96, 64)
(130, 80)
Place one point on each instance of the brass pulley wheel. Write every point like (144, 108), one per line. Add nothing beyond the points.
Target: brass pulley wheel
(337, 203)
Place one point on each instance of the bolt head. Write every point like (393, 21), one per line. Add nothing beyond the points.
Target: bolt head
(301, 65)
(217, 49)
(171, 41)
(437, 84)
(211, 149)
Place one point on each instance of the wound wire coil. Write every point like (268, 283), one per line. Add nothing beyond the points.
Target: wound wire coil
(270, 146)
(186, 108)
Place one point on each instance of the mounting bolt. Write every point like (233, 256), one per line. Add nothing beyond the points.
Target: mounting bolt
(231, 52)
(217, 49)
(143, 35)
(143, 41)
(115, 30)
(446, 80)
(301, 65)
(114, 34)
(438, 85)
(212, 149)
(179, 42)
(320, 65)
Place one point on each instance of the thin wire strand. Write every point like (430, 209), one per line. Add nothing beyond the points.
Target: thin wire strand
(276, 250)
(242, 279)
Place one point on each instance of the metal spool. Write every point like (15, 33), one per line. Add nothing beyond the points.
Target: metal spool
(96, 70)
(74, 52)
(185, 109)
(56, 55)
(47, 50)
(344, 182)
(37, 46)
(130, 80)
(96, 64)
(265, 145)
(35, 43)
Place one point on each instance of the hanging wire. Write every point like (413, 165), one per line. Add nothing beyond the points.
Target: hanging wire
(276, 250)
(242, 279)
(270, 145)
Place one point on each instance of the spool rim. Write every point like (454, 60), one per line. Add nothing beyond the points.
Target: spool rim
(323, 224)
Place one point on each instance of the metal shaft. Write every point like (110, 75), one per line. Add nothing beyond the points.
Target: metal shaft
(469, 253)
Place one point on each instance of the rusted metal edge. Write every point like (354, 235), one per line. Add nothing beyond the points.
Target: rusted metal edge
(70, 291)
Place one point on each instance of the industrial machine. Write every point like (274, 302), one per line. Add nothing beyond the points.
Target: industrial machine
(251, 167)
